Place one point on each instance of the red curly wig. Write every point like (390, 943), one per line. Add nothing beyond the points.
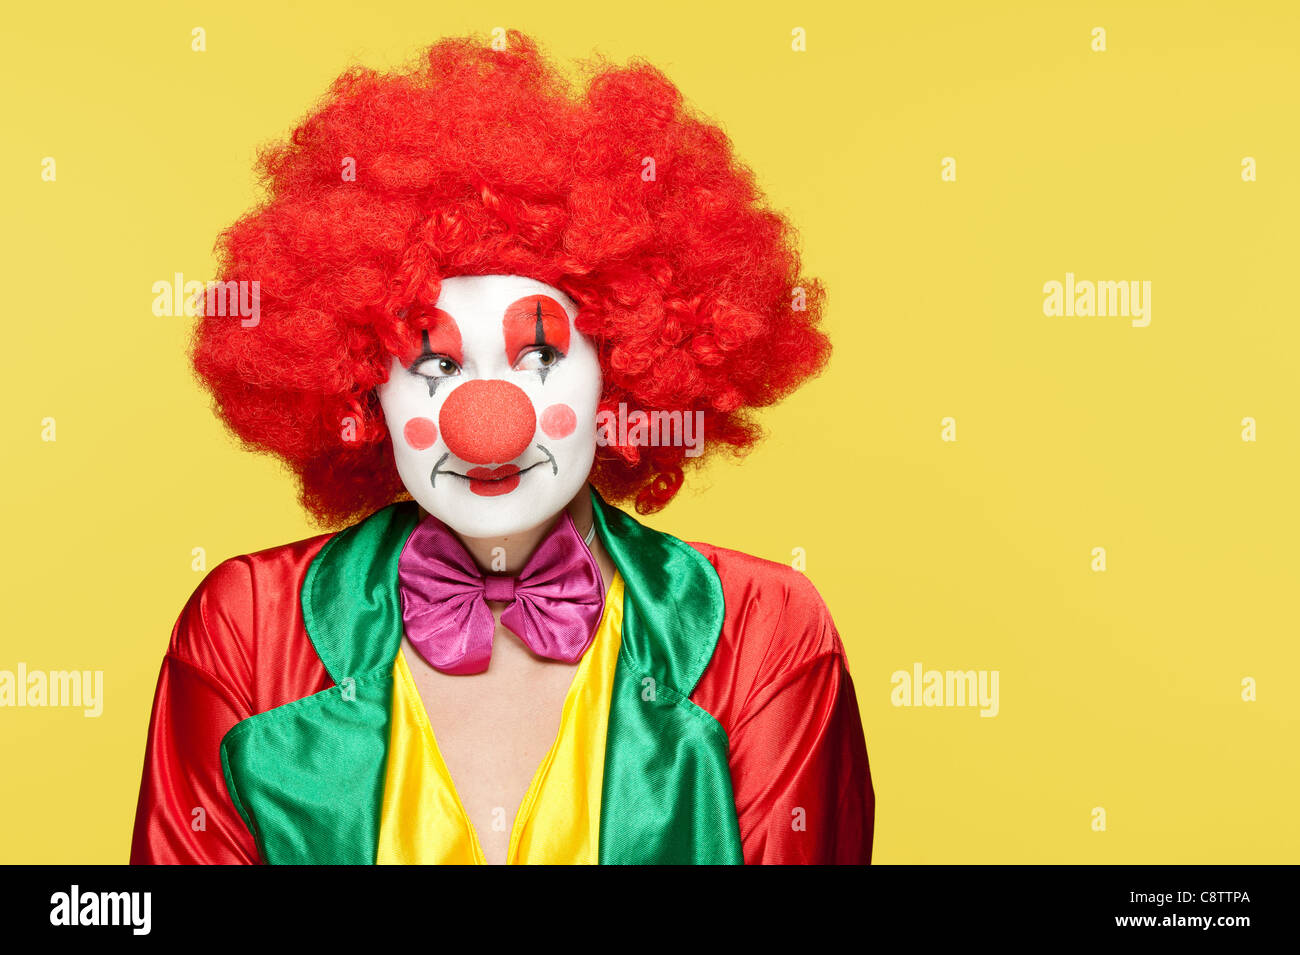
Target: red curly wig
(479, 161)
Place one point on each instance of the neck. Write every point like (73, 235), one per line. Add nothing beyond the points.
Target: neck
(508, 554)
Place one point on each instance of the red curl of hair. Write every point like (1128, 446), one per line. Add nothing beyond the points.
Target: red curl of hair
(479, 161)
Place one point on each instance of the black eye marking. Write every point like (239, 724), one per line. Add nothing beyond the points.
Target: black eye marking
(426, 352)
(539, 338)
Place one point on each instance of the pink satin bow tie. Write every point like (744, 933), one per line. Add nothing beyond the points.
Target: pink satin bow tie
(553, 606)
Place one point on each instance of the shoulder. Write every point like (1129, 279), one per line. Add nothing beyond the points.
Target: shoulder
(243, 627)
(776, 625)
(775, 600)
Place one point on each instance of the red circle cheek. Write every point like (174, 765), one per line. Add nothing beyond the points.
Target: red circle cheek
(558, 421)
(420, 433)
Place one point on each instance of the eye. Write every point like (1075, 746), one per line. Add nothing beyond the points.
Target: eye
(435, 366)
(434, 369)
(539, 359)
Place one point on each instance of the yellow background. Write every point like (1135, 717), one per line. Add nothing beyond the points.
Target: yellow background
(1118, 689)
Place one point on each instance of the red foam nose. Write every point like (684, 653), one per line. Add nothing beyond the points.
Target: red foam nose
(487, 421)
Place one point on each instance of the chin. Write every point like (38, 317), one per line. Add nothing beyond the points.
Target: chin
(476, 518)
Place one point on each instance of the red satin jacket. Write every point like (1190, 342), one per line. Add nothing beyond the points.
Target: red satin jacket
(778, 683)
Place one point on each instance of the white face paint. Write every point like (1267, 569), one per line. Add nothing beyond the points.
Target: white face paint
(494, 423)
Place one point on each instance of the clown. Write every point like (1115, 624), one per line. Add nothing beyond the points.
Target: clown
(463, 269)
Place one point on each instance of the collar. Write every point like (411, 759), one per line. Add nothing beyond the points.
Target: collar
(673, 605)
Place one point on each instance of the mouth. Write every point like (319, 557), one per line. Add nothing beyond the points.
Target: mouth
(493, 482)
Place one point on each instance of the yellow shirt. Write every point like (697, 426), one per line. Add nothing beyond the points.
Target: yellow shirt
(422, 820)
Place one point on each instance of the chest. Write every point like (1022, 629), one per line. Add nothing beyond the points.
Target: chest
(493, 730)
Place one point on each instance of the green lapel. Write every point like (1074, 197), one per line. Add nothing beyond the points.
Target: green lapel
(308, 777)
(666, 797)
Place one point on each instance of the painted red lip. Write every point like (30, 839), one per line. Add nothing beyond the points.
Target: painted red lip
(493, 482)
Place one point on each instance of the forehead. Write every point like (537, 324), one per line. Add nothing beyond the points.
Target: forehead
(477, 300)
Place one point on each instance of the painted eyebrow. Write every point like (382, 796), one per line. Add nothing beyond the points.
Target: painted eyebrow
(441, 336)
(533, 321)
